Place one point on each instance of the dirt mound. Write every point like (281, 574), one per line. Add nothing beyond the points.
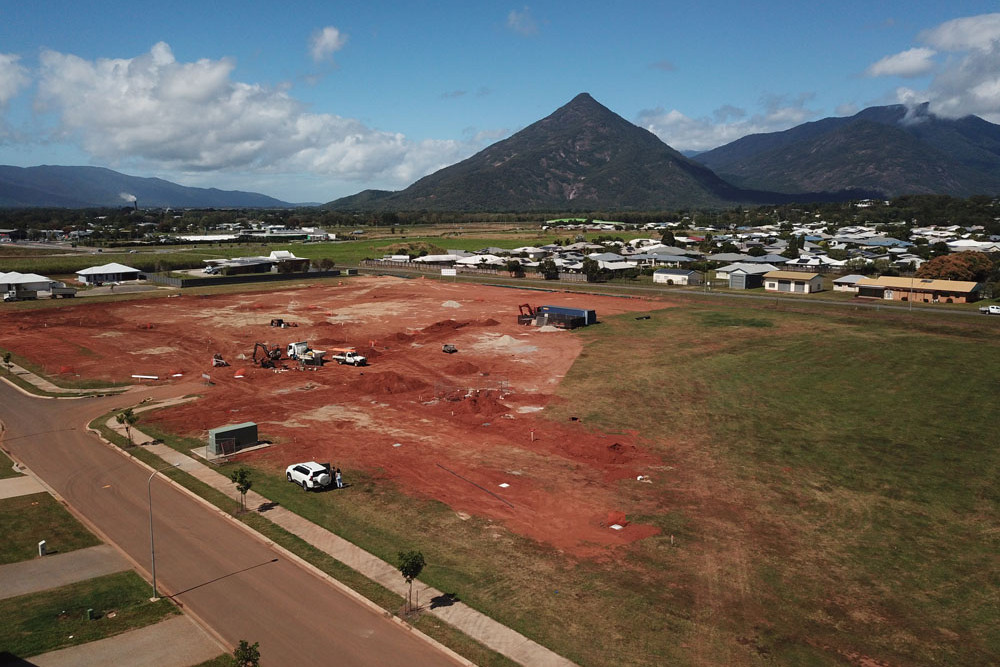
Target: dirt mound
(481, 403)
(445, 326)
(462, 368)
(401, 337)
(387, 383)
(489, 322)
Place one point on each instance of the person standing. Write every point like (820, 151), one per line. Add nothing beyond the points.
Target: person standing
(339, 479)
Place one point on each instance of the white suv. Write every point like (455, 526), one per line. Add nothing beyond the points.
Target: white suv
(309, 475)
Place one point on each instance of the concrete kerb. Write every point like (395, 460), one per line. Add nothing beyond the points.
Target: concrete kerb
(315, 571)
(43, 384)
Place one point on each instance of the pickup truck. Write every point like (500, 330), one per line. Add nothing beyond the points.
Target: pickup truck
(989, 310)
(350, 357)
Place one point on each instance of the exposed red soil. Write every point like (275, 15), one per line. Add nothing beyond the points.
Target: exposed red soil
(435, 424)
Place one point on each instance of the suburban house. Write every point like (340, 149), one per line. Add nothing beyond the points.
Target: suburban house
(107, 273)
(19, 282)
(926, 290)
(793, 282)
(847, 283)
(678, 277)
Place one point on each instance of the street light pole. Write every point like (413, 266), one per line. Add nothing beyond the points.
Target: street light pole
(152, 550)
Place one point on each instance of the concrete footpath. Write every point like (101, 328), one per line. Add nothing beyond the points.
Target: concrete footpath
(56, 570)
(176, 642)
(25, 485)
(44, 385)
(472, 623)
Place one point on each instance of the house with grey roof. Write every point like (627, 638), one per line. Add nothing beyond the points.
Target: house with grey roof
(847, 283)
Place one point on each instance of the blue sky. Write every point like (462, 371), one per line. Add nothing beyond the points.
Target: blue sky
(310, 101)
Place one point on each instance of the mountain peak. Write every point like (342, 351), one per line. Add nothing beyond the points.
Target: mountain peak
(583, 156)
(583, 98)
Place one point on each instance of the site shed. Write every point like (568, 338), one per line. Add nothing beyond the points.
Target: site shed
(232, 438)
(562, 312)
(741, 280)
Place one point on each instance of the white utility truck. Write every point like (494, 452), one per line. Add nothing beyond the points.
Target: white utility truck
(306, 355)
(348, 355)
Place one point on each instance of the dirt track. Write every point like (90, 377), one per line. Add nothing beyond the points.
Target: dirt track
(414, 414)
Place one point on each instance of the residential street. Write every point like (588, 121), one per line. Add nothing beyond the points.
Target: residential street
(226, 576)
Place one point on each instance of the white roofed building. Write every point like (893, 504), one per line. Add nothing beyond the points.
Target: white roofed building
(107, 273)
(24, 281)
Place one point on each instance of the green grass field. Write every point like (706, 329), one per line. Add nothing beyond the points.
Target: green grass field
(836, 475)
(53, 619)
(27, 520)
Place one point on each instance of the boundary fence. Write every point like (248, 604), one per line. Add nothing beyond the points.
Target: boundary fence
(380, 264)
(173, 281)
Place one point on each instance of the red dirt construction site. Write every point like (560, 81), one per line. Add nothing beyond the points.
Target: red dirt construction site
(452, 427)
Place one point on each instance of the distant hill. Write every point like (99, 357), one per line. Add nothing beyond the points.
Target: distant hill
(892, 150)
(85, 187)
(581, 157)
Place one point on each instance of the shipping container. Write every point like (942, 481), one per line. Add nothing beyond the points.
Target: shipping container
(563, 313)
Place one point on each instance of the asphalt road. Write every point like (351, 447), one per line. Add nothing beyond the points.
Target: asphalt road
(232, 580)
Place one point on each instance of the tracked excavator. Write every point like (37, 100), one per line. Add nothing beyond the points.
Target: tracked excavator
(266, 357)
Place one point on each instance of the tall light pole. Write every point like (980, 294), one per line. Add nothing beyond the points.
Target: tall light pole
(152, 550)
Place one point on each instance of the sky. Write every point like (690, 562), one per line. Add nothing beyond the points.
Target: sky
(311, 101)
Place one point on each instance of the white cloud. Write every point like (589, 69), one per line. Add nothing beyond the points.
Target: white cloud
(967, 33)
(910, 63)
(324, 43)
(965, 79)
(522, 22)
(188, 117)
(728, 123)
(13, 77)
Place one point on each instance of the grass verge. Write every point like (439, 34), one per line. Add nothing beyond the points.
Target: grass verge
(7, 467)
(57, 618)
(27, 520)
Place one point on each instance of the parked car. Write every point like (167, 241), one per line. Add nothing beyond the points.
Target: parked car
(309, 475)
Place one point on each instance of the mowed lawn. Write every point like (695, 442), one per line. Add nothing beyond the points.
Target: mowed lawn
(833, 478)
(27, 520)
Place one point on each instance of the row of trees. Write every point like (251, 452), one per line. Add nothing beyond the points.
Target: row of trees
(897, 216)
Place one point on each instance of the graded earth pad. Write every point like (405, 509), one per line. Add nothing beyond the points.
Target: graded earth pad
(452, 427)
